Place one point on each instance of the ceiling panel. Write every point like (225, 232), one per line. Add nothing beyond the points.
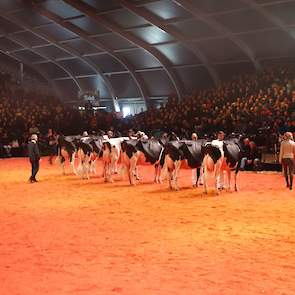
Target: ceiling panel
(52, 70)
(83, 47)
(28, 56)
(29, 39)
(140, 59)
(158, 83)
(220, 50)
(126, 19)
(7, 27)
(152, 35)
(52, 52)
(31, 18)
(284, 11)
(194, 29)
(61, 8)
(106, 62)
(124, 86)
(8, 45)
(115, 42)
(245, 20)
(57, 32)
(89, 26)
(8, 5)
(103, 5)
(77, 67)
(167, 10)
(178, 54)
(213, 6)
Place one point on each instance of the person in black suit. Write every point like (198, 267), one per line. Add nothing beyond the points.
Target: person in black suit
(34, 156)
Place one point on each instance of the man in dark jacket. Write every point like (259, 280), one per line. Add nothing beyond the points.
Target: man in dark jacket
(34, 156)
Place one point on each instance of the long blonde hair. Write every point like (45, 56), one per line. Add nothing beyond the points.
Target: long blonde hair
(288, 136)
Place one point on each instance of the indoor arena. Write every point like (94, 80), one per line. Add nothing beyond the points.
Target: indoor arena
(147, 147)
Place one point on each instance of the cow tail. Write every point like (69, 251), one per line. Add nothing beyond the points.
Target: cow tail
(164, 172)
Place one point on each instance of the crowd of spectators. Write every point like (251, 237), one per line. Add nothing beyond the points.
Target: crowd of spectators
(261, 105)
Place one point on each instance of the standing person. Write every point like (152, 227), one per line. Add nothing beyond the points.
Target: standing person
(34, 156)
(195, 171)
(219, 143)
(51, 138)
(286, 158)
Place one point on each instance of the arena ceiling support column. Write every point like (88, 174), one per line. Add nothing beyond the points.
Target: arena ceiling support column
(187, 5)
(156, 22)
(36, 69)
(86, 9)
(100, 46)
(98, 71)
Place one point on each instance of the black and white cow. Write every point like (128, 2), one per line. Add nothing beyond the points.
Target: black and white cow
(66, 149)
(139, 151)
(179, 151)
(218, 160)
(110, 156)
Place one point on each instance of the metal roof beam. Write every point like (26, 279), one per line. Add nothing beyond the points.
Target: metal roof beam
(65, 48)
(219, 28)
(273, 19)
(36, 69)
(100, 46)
(86, 9)
(178, 36)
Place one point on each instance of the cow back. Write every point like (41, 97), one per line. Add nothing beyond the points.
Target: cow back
(192, 152)
(232, 152)
(151, 148)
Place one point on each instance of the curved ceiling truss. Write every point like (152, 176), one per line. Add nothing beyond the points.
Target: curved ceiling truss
(37, 70)
(86, 9)
(100, 46)
(64, 47)
(219, 28)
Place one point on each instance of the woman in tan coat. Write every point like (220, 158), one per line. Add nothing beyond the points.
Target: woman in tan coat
(287, 156)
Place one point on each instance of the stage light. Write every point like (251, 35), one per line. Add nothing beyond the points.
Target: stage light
(126, 111)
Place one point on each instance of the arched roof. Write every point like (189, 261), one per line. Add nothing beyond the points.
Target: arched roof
(144, 50)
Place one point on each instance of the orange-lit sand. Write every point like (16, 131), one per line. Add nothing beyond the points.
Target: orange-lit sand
(65, 235)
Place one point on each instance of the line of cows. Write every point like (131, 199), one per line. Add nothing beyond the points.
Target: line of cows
(167, 157)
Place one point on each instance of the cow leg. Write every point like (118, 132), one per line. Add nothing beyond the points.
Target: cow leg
(228, 172)
(177, 168)
(133, 169)
(217, 177)
(62, 162)
(236, 185)
(170, 178)
(201, 176)
(73, 163)
(157, 173)
(205, 175)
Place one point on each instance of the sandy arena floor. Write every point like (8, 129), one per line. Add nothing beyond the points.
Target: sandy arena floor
(65, 235)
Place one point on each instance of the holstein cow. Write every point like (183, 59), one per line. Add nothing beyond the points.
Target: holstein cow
(178, 151)
(218, 160)
(110, 156)
(66, 150)
(85, 154)
(139, 151)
